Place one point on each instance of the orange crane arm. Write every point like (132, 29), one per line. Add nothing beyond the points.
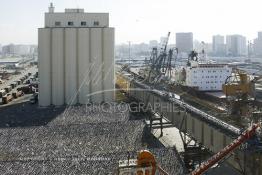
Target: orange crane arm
(146, 158)
(225, 151)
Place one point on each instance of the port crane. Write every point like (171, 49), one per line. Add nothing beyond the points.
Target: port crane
(159, 69)
(159, 65)
(240, 91)
(193, 56)
(145, 164)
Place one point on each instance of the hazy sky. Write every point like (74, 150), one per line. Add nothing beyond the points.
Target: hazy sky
(139, 20)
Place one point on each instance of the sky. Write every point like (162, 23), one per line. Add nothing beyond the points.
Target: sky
(139, 20)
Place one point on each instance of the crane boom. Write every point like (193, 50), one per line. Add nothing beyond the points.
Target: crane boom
(158, 62)
(227, 150)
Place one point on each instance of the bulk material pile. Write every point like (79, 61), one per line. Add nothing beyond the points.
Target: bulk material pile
(63, 141)
(83, 142)
(102, 164)
(109, 112)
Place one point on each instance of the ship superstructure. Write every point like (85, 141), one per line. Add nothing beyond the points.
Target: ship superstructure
(207, 76)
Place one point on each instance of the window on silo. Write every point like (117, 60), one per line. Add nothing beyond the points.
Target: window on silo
(96, 23)
(83, 23)
(70, 23)
(57, 23)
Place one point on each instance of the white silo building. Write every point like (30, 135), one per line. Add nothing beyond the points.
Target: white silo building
(76, 58)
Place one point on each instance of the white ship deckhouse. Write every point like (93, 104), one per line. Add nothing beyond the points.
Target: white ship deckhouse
(207, 76)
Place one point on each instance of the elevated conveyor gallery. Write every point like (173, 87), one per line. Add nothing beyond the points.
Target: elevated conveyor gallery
(206, 129)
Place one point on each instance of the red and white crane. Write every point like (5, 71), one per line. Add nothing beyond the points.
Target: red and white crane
(251, 131)
(146, 164)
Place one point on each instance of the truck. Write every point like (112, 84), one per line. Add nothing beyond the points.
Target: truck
(2, 93)
(26, 89)
(7, 98)
(18, 82)
(17, 94)
(28, 81)
(8, 89)
(13, 85)
(34, 84)
(22, 79)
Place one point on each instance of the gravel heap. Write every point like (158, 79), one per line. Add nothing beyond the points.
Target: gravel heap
(92, 114)
(80, 140)
(102, 164)
(65, 141)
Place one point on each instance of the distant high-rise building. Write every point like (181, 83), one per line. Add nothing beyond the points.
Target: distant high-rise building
(218, 45)
(0, 49)
(258, 45)
(162, 39)
(184, 42)
(76, 58)
(12, 49)
(202, 47)
(208, 48)
(236, 45)
(8, 49)
(197, 46)
(22, 49)
(153, 43)
(33, 49)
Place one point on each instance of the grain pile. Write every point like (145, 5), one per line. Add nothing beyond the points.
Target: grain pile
(80, 140)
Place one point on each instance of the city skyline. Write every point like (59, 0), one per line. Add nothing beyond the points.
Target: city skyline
(147, 20)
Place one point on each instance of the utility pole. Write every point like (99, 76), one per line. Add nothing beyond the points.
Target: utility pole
(249, 48)
(203, 53)
(129, 51)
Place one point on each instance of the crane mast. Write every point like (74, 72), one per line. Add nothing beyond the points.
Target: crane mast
(159, 64)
